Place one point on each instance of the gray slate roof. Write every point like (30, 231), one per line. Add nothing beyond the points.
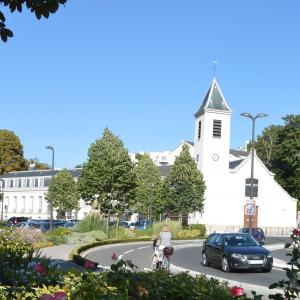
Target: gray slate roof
(235, 163)
(213, 100)
(38, 173)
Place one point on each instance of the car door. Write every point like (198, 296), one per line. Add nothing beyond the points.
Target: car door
(208, 247)
(218, 249)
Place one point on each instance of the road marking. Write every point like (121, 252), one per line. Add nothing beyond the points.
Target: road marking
(143, 247)
(147, 269)
(278, 269)
(129, 251)
(120, 257)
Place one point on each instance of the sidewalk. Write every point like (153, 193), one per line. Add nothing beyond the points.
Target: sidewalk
(60, 254)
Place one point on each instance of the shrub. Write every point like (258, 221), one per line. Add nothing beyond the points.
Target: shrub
(122, 233)
(193, 234)
(58, 235)
(91, 222)
(200, 227)
(88, 237)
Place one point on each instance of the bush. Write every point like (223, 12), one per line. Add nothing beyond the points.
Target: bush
(200, 227)
(58, 235)
(91, 222)
(193, 234)
(88, 237)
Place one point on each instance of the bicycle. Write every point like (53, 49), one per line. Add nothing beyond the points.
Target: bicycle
(161, 259)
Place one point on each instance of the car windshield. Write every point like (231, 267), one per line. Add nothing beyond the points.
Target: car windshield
(239, 240)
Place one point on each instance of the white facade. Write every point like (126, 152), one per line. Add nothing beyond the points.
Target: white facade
(24, 195)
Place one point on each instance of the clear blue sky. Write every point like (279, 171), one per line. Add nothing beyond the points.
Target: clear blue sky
(142, 68)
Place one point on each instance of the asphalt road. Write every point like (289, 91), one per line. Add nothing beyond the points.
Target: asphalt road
(187, 255)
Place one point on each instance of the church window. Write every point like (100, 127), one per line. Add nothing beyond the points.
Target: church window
(248, 187)
(197, 157)
(199, 130)
(217, 128)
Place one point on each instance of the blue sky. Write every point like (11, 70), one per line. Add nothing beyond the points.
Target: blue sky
(142, 68)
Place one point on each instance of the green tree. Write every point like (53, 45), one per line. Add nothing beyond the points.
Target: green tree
(108, 177)
(279, 148)
(11, 152)
(41, 8)
(63, 193)
(148, 186)
(183, 188)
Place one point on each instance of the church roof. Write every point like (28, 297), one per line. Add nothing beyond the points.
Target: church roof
(214, 99)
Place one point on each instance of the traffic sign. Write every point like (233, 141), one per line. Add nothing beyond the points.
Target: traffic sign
(250, 209)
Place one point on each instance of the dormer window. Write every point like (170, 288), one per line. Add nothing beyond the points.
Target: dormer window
(217, 128)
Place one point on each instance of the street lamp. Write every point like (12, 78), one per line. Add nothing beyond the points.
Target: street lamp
(2, 197)
(247, 115)
(52, 175)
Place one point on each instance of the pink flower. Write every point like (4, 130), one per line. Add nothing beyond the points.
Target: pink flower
(114, 257)
(60, 295)
(47, 297)
(89, 264)
(236, 291)
(296, 232)
(39, 268)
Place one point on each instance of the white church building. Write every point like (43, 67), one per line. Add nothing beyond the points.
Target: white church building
(227, 175)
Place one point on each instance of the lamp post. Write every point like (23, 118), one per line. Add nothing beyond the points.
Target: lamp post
(2, 197)
(247, 115)
(52, 175)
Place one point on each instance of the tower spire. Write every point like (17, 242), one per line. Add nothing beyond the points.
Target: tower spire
(215, 66)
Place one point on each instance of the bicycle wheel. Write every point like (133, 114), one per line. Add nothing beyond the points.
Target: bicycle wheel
(166, 263)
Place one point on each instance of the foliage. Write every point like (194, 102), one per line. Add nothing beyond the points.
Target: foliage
(63, 193)
(11, 150)
(122, 233)
(279, 149)
(33, 237)
(58, 235)
(86, 237)
(91, 222)
(37, 164)
(108, 176)
(39, 8)
(200, 227)
(183, 188)
(192, 233)
(148, 186)
(21, 264)
(175, 226)
(291, 285)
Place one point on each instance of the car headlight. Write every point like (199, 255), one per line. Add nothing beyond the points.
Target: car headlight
(238, 256)
(269, 255)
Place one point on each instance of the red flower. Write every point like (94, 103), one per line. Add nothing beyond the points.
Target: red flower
(114, 257)
(89, 264)
(39, 268)
(60, 295)
(296, 232)
(46, 297)
(236, 291)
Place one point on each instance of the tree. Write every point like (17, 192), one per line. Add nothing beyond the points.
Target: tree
(37, 164)
(108, 177)
(11, 152)
(63, 193)
(279, 148)
(41, 8)
(148, 186)
(183, 188)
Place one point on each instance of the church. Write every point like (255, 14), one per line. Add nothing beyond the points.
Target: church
(227, 174)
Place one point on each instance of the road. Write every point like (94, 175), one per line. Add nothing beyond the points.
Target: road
(187, 255)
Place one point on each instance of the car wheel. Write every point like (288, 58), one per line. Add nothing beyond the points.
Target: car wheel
(204, 260)
(225, 264)
(267, 270)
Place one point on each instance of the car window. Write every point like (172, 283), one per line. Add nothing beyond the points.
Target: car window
(219, 239)
(211, 239)
(240, 240)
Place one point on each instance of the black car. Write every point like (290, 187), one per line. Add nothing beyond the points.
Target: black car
(15, 220)
(235, 251)
(256, 232)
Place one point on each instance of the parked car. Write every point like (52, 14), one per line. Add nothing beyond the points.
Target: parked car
(142, 224)
(124, 223)
(235, 251)
(15, 220)
(256, 232)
